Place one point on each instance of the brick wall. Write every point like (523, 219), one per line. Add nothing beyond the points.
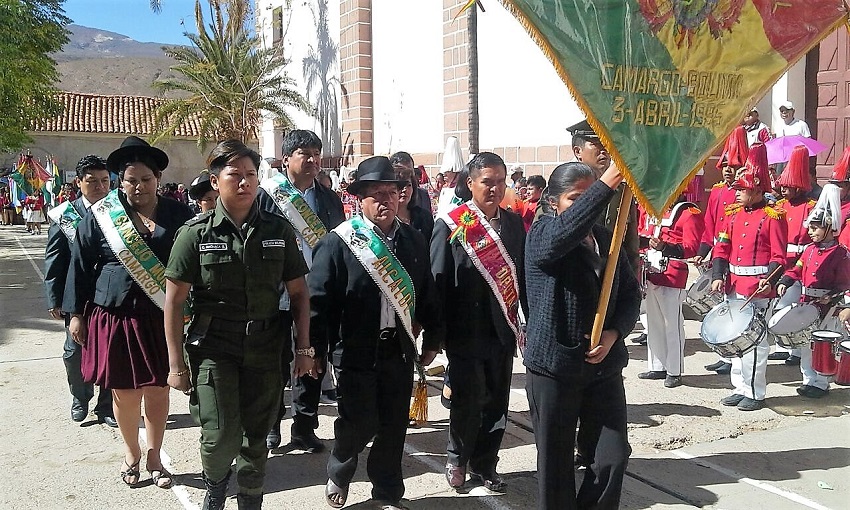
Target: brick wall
(355, 62)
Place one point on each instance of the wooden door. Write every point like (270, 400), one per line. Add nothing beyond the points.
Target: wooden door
(833, 99)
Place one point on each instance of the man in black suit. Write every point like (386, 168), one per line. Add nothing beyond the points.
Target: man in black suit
(369, 331)
(302, 162)
(93, 180)
(481, 320)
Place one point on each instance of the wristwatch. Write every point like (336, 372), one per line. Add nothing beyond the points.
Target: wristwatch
(310, 352)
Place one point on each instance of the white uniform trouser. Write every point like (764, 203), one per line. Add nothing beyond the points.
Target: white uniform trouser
(665, 335)
(791, 296)
(749, 373)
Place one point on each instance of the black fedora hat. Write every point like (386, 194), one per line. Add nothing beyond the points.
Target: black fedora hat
(133, 147)
(374, 169)
(200, 186)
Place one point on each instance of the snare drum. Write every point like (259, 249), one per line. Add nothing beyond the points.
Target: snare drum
(730, 331)
(843, 375)
(793, 325)
(699, 296)
(824, 344)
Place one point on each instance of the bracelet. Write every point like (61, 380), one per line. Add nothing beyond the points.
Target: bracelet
(180, 373)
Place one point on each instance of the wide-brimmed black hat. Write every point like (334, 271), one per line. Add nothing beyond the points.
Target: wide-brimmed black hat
(131, 147)
(200, 186)
(374, 169)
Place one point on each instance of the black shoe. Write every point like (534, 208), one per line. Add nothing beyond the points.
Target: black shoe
(108, 420)
(732, 400)
(778, 356)
(653, 374)
(793, 361)
(491, 481)
(307, 441)
(249, 501)
(640, 340)
(216, 493)
(328, 397)
(714, 366)
(673, 381)
(273, 439)
(726, 369)
(811, 391)
(749, 404)
(79, 410)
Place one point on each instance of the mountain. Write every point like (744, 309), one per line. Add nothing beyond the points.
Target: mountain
(98, 61)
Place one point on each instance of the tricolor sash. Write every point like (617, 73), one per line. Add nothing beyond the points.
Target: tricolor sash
(383, 267)
(482, 243)
(294, 207)
(66, 216)
(129, 247)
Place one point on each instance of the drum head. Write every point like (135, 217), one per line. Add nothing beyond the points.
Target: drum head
(792, 319)
(726, 321)
(826, 336)
(845, 346)
(700, 287)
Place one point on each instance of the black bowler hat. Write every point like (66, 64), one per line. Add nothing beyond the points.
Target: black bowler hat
(200, 186)
(583, 130)
(374, 169)
(133, 147)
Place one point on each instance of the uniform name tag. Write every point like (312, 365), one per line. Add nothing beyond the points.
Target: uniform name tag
(213, 246)
(274, 243)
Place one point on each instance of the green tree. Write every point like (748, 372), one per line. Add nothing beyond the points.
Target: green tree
(230, 81)
(29, 31)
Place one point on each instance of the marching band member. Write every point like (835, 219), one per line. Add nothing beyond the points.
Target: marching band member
(750, 247)
(823, 269)
(721, 196)
(795, 184)
(841, 178)
(674, 238)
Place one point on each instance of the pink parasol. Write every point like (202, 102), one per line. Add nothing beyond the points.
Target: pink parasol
(779, 149)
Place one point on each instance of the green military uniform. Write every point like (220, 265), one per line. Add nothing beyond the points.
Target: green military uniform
(234, 341)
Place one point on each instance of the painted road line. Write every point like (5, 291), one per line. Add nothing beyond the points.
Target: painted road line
(29, 257)
(792, 496)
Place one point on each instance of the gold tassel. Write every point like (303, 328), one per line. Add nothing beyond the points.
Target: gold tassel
(419, 408)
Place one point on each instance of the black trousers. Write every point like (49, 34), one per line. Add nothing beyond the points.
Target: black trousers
(306, 391)
(479, 414)
(373, 405)
(81, 390)
(556, 406)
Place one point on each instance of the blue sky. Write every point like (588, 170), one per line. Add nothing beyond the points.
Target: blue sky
(135, 19)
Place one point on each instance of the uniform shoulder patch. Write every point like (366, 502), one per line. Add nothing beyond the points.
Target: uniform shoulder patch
(718, 184)
(201, 218)
(782, 202)
(774, 213)
(694, 210)
(733, 208)
(812, 202)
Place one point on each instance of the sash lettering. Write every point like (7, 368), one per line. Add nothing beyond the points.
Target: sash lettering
(65, 215)
(129, 247)
(295, 209)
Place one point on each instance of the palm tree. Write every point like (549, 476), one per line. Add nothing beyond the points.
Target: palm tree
(229, 79)
(318, 68)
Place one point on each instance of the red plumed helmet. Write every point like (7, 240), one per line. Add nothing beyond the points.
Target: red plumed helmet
(736, 149)
(840, 173)
(755, 175)
(796, 174)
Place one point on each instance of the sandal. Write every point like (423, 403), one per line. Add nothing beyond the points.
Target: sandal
(161, 475)
(335, 495)
(130, 476)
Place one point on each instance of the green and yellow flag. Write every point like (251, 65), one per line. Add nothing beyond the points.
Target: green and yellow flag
(663, 82)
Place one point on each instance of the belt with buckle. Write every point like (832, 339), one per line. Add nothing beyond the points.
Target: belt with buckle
(246, 327)
(747, 270)
(387, 334)
(812, 292)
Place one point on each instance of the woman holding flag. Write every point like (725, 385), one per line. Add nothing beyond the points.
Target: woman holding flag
(115, 294)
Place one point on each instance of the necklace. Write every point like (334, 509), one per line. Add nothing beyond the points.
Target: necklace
(148, 221)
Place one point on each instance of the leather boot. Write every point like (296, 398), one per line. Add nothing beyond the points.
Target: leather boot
(216, 493)
(249, 501)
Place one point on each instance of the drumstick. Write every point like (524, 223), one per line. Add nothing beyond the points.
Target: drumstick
(771, 275)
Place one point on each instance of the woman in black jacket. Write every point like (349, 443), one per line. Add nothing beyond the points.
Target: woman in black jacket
(410, 211)
(567, 381)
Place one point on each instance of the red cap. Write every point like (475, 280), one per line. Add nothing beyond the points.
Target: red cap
(840, 172)
(796, 174)
(755, 174)
(736, 149)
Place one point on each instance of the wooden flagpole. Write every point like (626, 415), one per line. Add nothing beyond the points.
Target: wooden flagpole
(611, 266)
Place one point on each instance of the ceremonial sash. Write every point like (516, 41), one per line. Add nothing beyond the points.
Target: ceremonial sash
(129, 247)
(294, 207)
(482, 243)
(66, 216)
(383, 267)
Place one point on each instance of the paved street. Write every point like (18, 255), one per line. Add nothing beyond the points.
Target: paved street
(689, 451)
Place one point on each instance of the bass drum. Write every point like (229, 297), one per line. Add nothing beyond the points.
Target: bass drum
(699, 299)
(793, 325)
(731, 331)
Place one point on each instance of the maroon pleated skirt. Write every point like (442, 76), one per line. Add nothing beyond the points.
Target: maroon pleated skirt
(126, 346)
